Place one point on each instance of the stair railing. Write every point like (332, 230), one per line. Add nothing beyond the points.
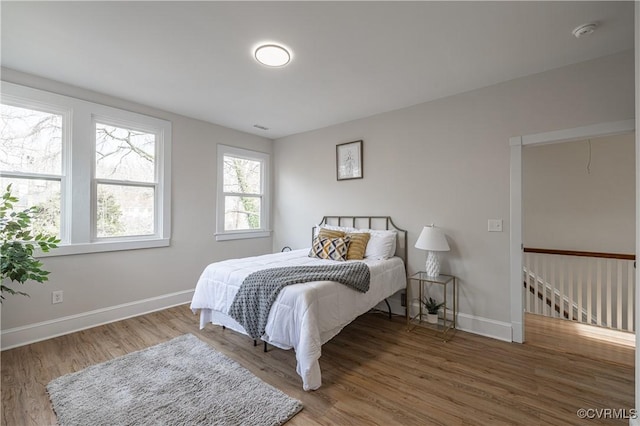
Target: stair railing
(588, 287)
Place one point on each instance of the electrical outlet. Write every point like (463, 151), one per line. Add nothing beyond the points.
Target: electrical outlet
(56, 297)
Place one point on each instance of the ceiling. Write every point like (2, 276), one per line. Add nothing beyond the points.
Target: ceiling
(350, 59)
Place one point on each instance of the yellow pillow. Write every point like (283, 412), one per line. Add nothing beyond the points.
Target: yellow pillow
(357, 245)
(329, 233)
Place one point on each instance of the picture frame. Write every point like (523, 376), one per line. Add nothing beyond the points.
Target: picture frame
(349, 160)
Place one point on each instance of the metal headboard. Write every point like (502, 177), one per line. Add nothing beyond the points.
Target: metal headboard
(370, 222)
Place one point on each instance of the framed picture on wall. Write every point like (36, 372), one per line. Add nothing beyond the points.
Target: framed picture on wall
(349, 160)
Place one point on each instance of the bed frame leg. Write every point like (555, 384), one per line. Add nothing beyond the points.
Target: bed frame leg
(388, 307)
(265, 346)
(255, 342)
(224, 328)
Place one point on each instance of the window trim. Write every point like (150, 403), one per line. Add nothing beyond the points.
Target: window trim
(155, 184)
(265, 196)
(47, 104)
(77, 193)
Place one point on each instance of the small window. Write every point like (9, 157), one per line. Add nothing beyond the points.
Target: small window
(242, 193)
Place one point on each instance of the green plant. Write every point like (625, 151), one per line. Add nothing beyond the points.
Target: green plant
(432, 305)
(17, 263)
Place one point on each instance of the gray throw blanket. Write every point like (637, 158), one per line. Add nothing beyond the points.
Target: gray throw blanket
(259, 290)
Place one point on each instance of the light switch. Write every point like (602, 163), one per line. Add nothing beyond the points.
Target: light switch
(495, 225)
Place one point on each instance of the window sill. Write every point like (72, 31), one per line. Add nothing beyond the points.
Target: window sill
(241, 235)
(71, 249)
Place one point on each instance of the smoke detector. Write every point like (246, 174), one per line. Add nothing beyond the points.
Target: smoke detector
(584, 30)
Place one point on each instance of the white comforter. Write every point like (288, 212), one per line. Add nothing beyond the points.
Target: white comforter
(304, 316)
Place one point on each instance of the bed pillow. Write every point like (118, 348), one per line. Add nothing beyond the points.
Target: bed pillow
(357, 245)
(344, 229)
(329, 248)
(330, 233)
(382, 245)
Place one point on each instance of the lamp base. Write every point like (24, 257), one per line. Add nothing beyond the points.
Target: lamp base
(433, 264)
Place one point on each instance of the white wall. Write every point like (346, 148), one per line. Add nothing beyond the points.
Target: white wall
(95, 283)
(569, 204)
(447, 162)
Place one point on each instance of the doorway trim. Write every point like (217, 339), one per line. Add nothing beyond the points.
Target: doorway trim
(516, 244)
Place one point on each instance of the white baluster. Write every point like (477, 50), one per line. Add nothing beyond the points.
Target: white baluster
(589, 304)
(599, 292)
(570, 267)
(561, 287)
(630, 296)
(608, 303)
(536, 264)
(579, 296)
(525, 276)
(545, 308)
(619, 295)
(552, 283)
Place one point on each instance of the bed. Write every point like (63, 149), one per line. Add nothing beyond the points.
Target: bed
(307, 315)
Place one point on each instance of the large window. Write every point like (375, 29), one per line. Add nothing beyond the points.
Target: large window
(31, 152)
(243, 202)
(100, 175)
(125, 181)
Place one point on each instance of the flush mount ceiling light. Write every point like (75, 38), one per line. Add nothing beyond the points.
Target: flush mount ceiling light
(272, 55)
(584, 30)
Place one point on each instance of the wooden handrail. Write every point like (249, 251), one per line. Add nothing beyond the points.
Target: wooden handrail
(581, 253)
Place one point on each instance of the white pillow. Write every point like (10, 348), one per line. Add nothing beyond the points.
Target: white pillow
(344, 229)
(340, 228)
(382, 244)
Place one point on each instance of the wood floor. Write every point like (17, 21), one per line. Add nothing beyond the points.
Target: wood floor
(571, 337)
(374, 372)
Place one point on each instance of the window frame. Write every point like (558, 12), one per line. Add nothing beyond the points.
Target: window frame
(265, 196)
(65, 112)
(78, 187)
(110, 121)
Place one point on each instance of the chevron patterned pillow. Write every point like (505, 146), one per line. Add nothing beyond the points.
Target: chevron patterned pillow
(329, 248)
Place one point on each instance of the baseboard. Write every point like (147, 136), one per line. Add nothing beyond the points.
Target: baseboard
(24, 335)
(484, 327)
(31, 333)
(472, 324)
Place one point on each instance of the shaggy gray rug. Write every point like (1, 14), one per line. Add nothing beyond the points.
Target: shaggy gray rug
(180, 382)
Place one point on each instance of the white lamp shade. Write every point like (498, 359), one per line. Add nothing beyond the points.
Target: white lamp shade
(432, 239)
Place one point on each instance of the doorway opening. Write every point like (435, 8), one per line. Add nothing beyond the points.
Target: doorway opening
(579, 246)
(520, 274)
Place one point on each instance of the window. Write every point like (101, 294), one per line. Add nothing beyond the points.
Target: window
(100, 175)
(125, 181)
(243, 202)
(31, 148)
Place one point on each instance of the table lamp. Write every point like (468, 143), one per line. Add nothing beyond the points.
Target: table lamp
(433, 240)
